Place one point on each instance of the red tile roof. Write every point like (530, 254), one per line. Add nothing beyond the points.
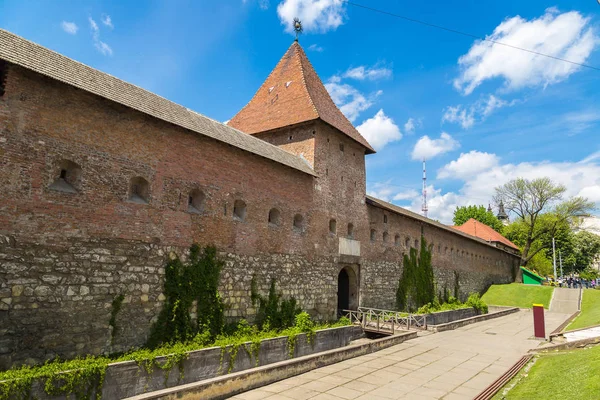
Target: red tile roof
(475, 228)
(291, 94)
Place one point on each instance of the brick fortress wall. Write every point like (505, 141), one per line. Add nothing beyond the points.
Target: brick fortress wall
(65, 256)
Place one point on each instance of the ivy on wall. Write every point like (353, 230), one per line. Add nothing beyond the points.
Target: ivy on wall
(273, 312)
(116, 305)
(188, 285)
(416, 286)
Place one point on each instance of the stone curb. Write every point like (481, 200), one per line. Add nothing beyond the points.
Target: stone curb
(223, 387)
(559, 330)
(467, 321)
(567, 345)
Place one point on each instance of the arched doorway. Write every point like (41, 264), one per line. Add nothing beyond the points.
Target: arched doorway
(347, 293)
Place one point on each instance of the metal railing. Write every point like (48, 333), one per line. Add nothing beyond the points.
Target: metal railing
(385, 321)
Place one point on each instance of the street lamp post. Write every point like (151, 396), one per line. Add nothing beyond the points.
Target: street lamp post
(554, 258)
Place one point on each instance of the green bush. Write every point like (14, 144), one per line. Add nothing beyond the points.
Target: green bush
(303, 322)
(477, 303)
(474, 301)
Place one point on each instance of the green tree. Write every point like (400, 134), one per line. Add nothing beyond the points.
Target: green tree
(530, 200)
(479, 213)
(586, 249)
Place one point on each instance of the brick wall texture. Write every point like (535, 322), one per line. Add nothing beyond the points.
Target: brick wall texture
(65, 255)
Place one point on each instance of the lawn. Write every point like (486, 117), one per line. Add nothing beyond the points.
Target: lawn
(518, 295)
(571, 374)
(590, 310)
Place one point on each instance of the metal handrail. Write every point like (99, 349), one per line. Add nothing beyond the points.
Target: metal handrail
(387, 321)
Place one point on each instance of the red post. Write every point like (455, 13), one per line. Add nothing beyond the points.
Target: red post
(539, 326)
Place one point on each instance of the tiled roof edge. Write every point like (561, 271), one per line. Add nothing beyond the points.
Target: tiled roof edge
(407, 213)
(191, 120)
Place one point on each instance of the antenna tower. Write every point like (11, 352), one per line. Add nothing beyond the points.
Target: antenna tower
(424, 206)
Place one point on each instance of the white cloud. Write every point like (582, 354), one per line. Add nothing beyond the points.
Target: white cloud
(70, 27)
(566, 35)
(349, 99)
(426, 148)
(315, 47)
(94, 26)
(459, 115)
(102, 47)
(380, 130)
(468, 165)
(580, 178)
(263, 4)
(106, 20)
(408, 194)
(591, 192)
(411, 125)
(316, 15)
(370, 73)
(467, 116)
(382, 190)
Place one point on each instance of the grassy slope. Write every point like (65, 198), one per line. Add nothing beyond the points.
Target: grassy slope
(590, 310)
(566, 375)
(518, 295)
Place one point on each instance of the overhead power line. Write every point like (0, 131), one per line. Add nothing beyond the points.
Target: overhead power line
(391, 14)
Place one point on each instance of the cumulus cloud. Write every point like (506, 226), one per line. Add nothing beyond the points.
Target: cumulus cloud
(581, 178)
(411, 125)
(409, 194)
(316, 15)
(370, 73)
(349, 99)
(567, 35)
(467, 116)
(70, 27)
(106, 20)
(468, 165)
(427, 148)
(102, 47)
(315, 47)
(380, 130)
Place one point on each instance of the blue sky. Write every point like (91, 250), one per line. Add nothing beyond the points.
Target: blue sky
(481, 114)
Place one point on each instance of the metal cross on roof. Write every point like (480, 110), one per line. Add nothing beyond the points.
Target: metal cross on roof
(298, 27)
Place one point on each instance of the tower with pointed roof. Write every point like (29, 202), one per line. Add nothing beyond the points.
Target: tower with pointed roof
(502, 215)
(293, 110)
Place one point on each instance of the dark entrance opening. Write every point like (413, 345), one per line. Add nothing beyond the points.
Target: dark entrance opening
(343, 293)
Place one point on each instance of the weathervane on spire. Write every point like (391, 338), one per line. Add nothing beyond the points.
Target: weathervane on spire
(298, 27)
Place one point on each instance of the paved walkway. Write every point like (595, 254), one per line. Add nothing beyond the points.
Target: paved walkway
(450, 365)
(565, 300)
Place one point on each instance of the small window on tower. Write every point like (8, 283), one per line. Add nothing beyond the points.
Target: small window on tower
(385, 219)
(139, 190)
(291, 137)
(239, 210)
(350, 231)
(342, 147)
(195, 201)
(373, 235)
(68, 179)
(332, 226)
(274, 217)
(298, 223)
